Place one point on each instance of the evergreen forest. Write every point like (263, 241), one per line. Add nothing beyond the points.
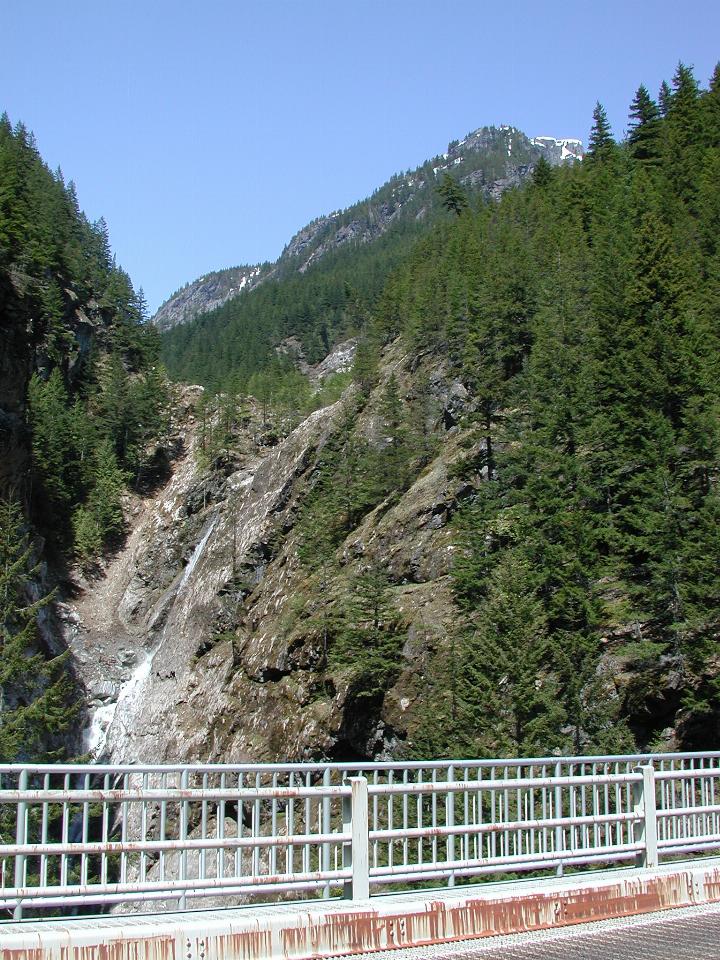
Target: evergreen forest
(579, 317)
(582, 313)
(84, 400)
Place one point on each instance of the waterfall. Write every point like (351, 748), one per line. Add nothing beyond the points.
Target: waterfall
(94, 736)
(196, 554)
(105, 716)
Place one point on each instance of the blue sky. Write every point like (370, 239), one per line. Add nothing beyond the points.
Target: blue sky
(207, 133)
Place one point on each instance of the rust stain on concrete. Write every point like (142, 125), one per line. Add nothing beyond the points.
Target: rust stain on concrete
(357, 932)
(712, 885)
(242, 945)
(374, 925)
(158, 948)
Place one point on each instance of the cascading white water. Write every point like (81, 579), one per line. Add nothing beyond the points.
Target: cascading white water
(149, 608)
(103, 717)
(130, 693)
(94, 736)
(196, 554)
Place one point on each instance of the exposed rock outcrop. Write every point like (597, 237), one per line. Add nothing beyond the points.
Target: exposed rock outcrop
(203, 639)
(207, 293)
(197, 643)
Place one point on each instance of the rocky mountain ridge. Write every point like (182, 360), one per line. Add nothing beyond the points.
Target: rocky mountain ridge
(489, 161)
(208, 292)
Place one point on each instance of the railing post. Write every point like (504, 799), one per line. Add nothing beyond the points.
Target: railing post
(183, 834)
(20, 838)
(645, 810)
(558, 812)
(450, 822)
(356, 855)
(326, 827)
(347, 849)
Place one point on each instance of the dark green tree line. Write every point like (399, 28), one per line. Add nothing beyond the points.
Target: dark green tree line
(582, 314)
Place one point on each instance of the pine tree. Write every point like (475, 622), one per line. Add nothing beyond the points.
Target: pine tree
(587, 697)
(148, 401)
(394, 461)
(423, 414)
(683, 133)
(708, 202)
(508, 696)
(664, 98)
(711, 111)
(59, 339)
(365, 364)
(601, 145)
(452, 195)
(52, 451)
(367, 640)
(141, 306)
(104, 501)
(116, 414)
(87, 536)
(542, 175)
(357, 483)
(35, 693)
(644, 132)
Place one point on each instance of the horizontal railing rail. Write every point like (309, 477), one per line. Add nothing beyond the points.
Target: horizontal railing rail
(377, 770)
(76, 836)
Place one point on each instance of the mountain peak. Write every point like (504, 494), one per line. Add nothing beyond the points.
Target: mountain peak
(487, 161)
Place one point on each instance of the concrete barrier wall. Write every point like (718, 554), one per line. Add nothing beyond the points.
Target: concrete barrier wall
(341, 928)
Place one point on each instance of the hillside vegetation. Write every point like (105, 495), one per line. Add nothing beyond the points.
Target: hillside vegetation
(580, 313)
(500, 539)
(583, 315)
(81, 399)
(328, 279)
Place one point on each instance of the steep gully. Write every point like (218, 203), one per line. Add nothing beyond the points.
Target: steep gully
(134, 633)
(190, 645)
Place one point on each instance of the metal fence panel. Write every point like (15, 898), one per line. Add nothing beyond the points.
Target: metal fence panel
(83, 837)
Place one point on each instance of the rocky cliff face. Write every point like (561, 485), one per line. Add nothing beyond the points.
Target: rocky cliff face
(202, 638)
(207, 293)
(197, 643)
(489, 160)
(557, 151)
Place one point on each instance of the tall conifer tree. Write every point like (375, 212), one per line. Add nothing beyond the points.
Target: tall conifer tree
(644, 133)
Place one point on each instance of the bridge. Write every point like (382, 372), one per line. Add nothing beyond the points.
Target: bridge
(298, 860)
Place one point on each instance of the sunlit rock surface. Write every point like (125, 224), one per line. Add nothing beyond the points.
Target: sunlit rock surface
(190, 645)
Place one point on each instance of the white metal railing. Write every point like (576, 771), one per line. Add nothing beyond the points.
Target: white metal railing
(78, 836)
